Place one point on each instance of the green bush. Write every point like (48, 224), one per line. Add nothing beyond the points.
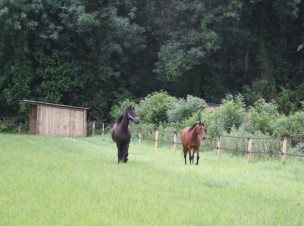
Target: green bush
(231, 120)
(232, 112)
(261, 116)
(118, 109)
(291, 126)
(236, 143)
(212, 121)
(297, 124)
(8, 127)
(300, 147)
(153, 109)
(184, 109)
(196, 117)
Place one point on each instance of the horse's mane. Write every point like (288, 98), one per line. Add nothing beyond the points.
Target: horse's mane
(119, 119)
(192, 127)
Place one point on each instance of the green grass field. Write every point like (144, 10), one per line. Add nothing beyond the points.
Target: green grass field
(70, 181)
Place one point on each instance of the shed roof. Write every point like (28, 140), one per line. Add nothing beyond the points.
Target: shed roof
(50, 104)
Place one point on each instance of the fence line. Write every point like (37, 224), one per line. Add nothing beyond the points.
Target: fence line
(248, 150)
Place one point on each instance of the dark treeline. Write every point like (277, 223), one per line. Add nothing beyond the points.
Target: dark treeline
(96, 53)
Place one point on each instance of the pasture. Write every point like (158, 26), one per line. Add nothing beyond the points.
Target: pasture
(77, 181)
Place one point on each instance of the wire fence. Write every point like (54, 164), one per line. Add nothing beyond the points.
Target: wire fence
(251, 147)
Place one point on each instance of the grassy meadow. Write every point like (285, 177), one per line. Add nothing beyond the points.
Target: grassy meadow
(77, 181)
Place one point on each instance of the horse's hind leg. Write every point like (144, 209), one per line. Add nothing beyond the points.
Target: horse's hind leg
(120, 152)
(191, 156)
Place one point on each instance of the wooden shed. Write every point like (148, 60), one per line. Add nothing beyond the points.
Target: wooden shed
(56, 119)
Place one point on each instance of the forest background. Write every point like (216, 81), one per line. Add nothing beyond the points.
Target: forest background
(99, 53)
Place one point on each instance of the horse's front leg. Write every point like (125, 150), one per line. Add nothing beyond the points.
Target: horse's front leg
(197, 156)
(125, 152)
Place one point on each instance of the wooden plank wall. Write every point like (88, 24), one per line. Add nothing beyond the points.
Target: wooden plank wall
(60, 121)
(33, 120)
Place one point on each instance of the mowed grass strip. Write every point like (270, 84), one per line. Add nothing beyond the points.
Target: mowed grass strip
(77, 181)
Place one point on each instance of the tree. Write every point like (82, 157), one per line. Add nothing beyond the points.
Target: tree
(26, 29)
(183, 55)
(97, 53)
(77, 52)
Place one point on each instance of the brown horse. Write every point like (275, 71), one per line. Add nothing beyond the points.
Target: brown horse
(121, 133)
(191, 140)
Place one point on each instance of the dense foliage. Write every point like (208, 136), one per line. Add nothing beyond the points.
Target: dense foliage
(153, 109)
(184, 108)
(99, 53)
(161, 110)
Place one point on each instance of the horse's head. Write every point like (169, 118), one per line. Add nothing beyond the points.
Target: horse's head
(132, 115)
(201, 130)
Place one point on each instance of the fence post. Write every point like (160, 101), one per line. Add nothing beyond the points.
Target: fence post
(103, 129)
(139, 136)
(174, 141)
(93, 129)
(156, 138)
(219, 147)
(20, 124)
(284, 150)
(249, 150)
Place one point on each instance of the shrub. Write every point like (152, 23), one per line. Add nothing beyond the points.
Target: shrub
(291, 126)
(8, 127)
(153, 109)
(213, 121)
(297, 123)
(196, 117)
(220, 120)
(119, 108)
(184, 109)
(232, 112)
(300, 147)
(235, 146)
(281, 126)
(262, 115)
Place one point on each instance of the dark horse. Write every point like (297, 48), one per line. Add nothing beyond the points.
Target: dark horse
(191, 140)
(121, 132)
